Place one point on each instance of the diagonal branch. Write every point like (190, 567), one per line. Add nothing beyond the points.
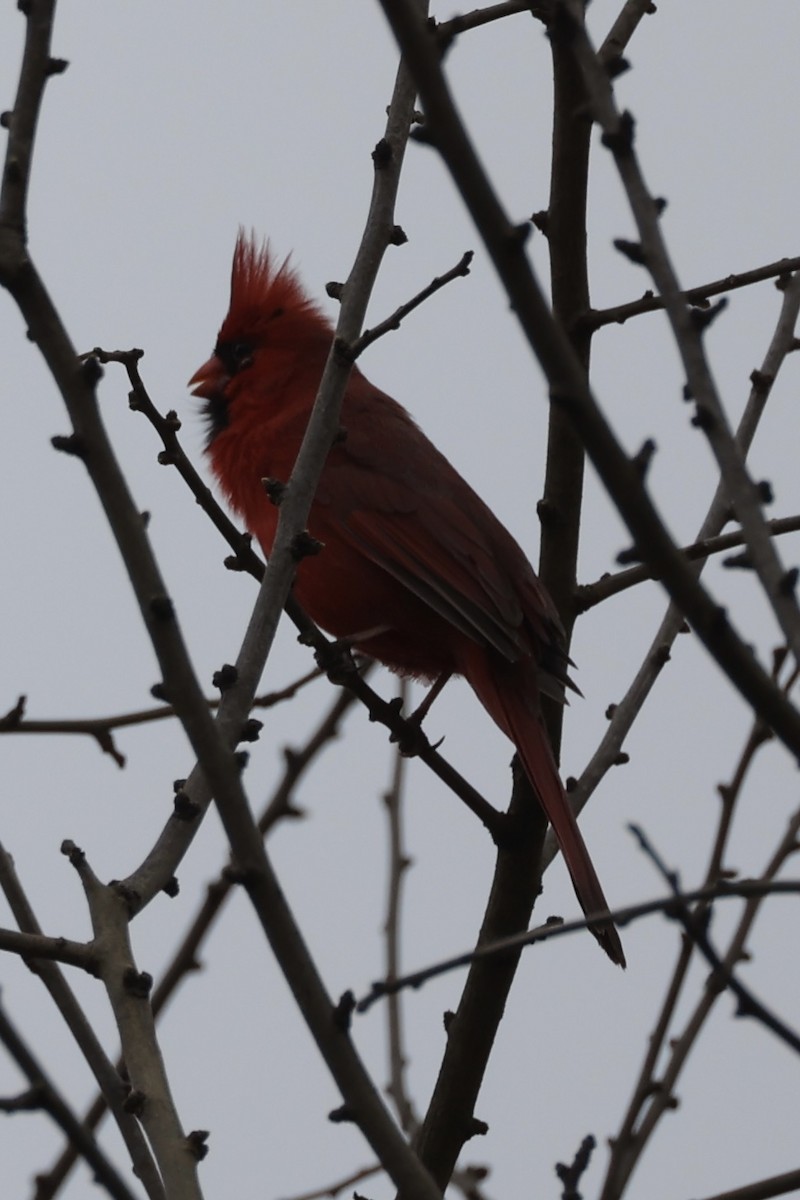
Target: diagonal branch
(113, 1089)
(569, 386)
(753, 890)
(44, 1095)
(596, 318)
(591, 594)
(618, 136)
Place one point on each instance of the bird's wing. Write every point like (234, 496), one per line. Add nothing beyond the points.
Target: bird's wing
(403, 505)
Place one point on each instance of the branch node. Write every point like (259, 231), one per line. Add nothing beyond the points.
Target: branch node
(620, 140)
(91, 370)
(762, 381)
(382, 154)
(788, 584)
(633, 251)
(642, 459)
(185, 808)
(161, 608)
(343, 1012)
(225, 678)
(130, 898)
(251, 730)
(305, 546)
(741, 561)
(197, 1143)
(276, 490)
(475, 1128)
(342, 1115)
(14, 715)
(137, 983)
(704, 418)
(616, 65)
(541, 220)
(661, 656)
(518, 235)
(134, 1102)
(70, 443)
(701, 318)
(73, 852)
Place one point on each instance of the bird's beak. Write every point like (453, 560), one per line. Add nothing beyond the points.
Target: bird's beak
(210, 380)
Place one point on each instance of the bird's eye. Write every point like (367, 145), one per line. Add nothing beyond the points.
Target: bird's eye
(235, 356)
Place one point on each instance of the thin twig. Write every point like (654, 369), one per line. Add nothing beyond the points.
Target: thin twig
(596, 318)
(213, 742)
(186, 958)
(45, 1096)
(763, 1189)
(590, 594)
(626, 1145)
(102, 728)
(447, 31)
(626, 711)
(556, 928)
(618, 136)
(31, 946)
(660, 1099)
(128, 991)
(109, 1079)
(569, 387)
(722, 977)
(570, 1175)
(393, 322)
(340, 1185)
(398, 866)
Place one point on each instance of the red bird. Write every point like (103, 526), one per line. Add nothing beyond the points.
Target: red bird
(416, 571)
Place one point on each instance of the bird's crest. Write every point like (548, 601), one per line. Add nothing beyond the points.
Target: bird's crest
(262, 289)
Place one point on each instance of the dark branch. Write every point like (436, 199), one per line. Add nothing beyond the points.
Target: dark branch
(596, 318)
(556, 928)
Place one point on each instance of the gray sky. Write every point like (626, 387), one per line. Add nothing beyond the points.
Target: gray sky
(174, 125)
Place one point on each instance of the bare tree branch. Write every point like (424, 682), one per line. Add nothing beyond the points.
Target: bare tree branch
(623, 29)
(722, 977)
(128, 990)
(763, 1189)
(590, 594)
(45, 1096)
(114, 1089)
(751, 889)
(185, 959)
(398, 866)
(569, 387)
(697, 296)
(102, 728)
(618, 136)
(393, 322)
(626, 710)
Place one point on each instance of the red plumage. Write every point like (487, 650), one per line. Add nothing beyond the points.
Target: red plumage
(412, 556)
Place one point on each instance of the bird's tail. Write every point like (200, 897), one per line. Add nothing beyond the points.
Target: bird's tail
(508, 703)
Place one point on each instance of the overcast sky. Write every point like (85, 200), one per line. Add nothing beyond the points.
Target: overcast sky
(175, 124)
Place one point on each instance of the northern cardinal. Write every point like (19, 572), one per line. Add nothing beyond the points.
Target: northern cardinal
(415, 570)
